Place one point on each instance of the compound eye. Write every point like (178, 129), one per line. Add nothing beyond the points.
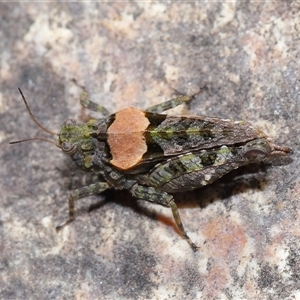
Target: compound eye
(70, 122)
(68, 148)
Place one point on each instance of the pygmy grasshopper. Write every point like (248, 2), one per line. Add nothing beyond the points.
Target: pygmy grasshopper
(154, 155)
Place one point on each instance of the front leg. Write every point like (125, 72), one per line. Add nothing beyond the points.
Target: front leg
(89, 190)
(87, 103)
(155, 196)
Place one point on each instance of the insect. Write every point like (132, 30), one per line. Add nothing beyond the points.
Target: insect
(153, 155)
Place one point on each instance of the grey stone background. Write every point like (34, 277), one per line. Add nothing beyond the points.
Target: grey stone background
(136, 54)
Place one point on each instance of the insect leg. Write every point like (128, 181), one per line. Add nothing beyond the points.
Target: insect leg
(152, 195)
(89, 190)
(87, 103)
(169, 104)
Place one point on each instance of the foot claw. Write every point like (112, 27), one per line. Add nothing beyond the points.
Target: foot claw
(195, 247)
(62, 225)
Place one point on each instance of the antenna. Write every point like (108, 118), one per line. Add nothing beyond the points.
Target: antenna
(33, 139)
(37, 123)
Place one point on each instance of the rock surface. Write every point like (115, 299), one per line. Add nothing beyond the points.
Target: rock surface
(136, 54)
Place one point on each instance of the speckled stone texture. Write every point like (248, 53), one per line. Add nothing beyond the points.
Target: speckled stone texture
(137, 54)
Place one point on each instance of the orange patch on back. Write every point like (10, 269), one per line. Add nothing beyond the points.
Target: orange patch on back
(126, 138)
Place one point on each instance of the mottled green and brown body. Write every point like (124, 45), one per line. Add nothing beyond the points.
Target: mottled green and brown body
(154, 155)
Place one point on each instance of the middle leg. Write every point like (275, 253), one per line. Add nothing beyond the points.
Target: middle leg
(152, 195)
